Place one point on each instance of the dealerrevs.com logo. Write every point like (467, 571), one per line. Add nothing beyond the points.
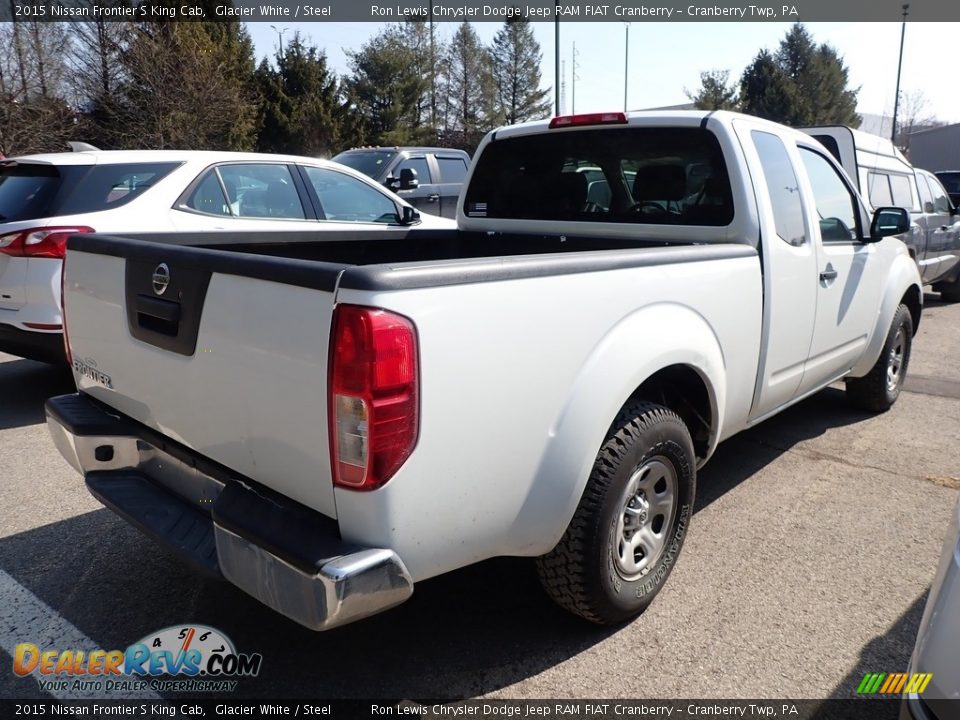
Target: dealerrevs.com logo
(188, 658)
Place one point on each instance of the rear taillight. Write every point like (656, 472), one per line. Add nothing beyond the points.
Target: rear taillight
(46, 242)
(608, 118)
(374, 399)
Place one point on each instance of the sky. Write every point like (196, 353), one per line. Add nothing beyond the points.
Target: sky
(665, 59)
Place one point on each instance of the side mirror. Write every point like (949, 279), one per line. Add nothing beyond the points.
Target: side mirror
(408, 215)
(889, 221)
(408, 179)
(391, 182)
(928, 208)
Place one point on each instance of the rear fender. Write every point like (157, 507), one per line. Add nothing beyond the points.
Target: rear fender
(643, 343)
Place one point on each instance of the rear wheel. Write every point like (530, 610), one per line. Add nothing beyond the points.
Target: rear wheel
(879, 389)
(628, 529)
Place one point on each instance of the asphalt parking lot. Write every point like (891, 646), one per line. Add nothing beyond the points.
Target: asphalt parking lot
(807, 565)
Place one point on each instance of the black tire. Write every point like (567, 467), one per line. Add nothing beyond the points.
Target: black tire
(879, 389)
(585, 572)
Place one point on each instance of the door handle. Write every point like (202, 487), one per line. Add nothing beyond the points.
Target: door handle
(829, 274)
(433, 198)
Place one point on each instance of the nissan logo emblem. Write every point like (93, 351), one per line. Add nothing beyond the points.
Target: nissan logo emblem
(161, 278)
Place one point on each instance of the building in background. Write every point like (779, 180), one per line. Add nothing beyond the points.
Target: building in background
(936, 149)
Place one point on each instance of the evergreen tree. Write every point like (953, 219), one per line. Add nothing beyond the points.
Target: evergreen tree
(802, 84)
(766, 91)
(516, 57)
(716, 92)
(386, 88)
(469, 84)
(301, 109)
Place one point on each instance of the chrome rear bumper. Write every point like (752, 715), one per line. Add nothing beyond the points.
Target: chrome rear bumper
(289, 557)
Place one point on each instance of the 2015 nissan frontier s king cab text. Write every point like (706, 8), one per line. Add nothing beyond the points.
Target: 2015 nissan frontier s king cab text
(325, 420)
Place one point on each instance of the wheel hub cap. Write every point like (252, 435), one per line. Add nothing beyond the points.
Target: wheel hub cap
(648, 505)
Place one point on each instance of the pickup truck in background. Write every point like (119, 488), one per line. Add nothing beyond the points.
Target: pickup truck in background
(428, 178)
(327, 420)
(885, 178)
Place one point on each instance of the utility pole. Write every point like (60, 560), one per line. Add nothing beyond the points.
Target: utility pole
(573, 81)
(556, 50)
(433, 77)
(626, 65)
(896, 97)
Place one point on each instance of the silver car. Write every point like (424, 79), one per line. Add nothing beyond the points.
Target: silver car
(938, 642)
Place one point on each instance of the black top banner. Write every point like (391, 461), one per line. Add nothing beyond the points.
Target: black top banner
(483, 11)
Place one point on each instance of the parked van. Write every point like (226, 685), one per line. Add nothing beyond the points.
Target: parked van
(885, 177)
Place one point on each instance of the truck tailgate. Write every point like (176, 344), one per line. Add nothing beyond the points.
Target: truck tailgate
(184, 341)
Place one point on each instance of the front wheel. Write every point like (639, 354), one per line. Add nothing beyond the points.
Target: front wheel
(879, 389)
(628, 529)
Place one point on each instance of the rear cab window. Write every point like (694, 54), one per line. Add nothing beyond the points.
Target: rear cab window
(637, 175)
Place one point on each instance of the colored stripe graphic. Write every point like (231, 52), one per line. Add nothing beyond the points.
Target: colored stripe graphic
(894, 683)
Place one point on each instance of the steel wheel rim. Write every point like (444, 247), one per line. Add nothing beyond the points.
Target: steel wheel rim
(895, 361)
(647, 508)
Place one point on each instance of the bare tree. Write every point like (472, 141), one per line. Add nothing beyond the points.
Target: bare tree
(913, 116)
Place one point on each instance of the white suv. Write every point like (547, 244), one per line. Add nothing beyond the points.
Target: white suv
(46, 198)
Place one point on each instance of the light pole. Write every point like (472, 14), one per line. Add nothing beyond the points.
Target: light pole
(279, 36)
(896, 98)
(626, 65)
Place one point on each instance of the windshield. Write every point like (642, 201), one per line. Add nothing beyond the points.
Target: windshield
(370, 162)
(670, 176)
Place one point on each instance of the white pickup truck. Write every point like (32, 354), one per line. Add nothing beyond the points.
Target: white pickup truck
(325, 420)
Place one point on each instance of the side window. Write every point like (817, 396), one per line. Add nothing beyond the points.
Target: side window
(263, 190)
(926, 198)
(941, 203)
(836, 205)
(452, 169)
(879, 189)
(902, 197)
(420, 165)
(207, 197)
(110, 186)
(346, 199)
(782, 186)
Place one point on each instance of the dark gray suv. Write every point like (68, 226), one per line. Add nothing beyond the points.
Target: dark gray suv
(428, 178)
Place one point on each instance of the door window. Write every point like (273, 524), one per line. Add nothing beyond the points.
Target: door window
(345, 199)
(262, 190)
(419, 164)
(452, 169)
(835, 204)
(941, 203)
(782, 187)
(926, 198)
(207, 197)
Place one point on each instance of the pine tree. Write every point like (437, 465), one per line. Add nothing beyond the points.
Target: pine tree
(802, 84)
(301, 108)
(516, 57)
(386, 88)
(469, 84)
(716, 92)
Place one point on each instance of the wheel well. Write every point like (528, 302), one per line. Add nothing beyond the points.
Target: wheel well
(911, 298)
(683, 390)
